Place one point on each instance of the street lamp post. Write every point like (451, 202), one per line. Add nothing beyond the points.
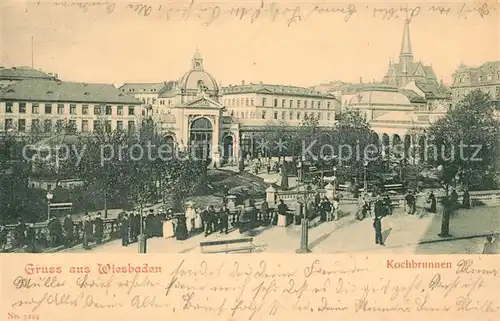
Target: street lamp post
(304, 235)
(365, 184)
(49, 197)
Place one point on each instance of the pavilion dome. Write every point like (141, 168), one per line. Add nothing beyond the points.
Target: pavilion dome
(197, 79)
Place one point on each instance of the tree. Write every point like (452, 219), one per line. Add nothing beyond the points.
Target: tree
(356, 143)
(465, 141)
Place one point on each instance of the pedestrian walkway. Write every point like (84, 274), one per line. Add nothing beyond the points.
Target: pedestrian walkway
(402, 234)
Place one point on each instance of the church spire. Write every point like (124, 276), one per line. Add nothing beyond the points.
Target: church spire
(406, 43)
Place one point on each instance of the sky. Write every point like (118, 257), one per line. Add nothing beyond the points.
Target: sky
(297, 43)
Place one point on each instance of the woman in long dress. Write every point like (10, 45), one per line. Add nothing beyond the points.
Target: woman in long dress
(190, 217)
(169, 226)
(198, 223)
(181, 231)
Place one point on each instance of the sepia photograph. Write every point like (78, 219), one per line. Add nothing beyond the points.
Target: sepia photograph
(252, 127)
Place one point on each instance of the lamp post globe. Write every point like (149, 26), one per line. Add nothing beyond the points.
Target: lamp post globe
(49, 197)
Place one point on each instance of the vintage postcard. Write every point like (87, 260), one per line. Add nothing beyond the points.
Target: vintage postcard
(249, 160)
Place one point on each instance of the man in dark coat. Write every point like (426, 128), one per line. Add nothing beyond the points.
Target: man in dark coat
(133, 226)
(98, 228)
(150, 223)
(378, 207)
(432, 200)
(68, 230)
(377, 225)
(466, 199)
(210, 221)
(88, 231)
(326, 209)
(224, 219)
(264, 211)
(31, 238)
(124, 229)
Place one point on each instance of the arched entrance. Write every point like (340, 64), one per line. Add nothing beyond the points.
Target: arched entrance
(200, 138)
(228, 144)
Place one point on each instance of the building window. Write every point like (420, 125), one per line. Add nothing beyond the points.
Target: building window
(97, 125)
(35, 108)
(319, 104)
(329, 116)
(119, 125)
(238, 102)
(72, 109)
(97, 110)
(35, 125)
(283, 115)
(252, 102)
(59, 125)
(234, 102)
(328, 105)
(263, 102)
(298, 103)
(162, 102)
(21, 125)
(275, 102)
(298, 115)
(47, 125)
(72, 125)
(22, 108)
(85, 126)
(275, 115)
(9, 124)
(154, 101)
(242, 115)
(85, 109)
(283, 103)
(108, 125)
(305, 103)
(312, 104)
(48, 108)
(119, 110)
(131, 110)
(264, 113)
(291, 103)
(248, 102)
(60, 108)
(8, 107)
(290, 115)
(319, 116)
(131, 125)
(108, 110)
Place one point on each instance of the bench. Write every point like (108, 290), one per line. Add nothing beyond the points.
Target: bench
(226, 246)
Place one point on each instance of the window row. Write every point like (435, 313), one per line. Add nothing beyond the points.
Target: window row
(283, 103)
(284, 115)
(74, 109)
(48, 125)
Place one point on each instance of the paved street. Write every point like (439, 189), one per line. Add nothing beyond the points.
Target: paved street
(403, 234)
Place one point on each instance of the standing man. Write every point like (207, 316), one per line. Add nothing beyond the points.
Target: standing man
(224, 219)
(432, 200)
(466, 199)
(377, 225)
(31, 238)
(51, 226)
(124, 228)
(150, 223)
(264, 211)
(98, 228)
(68, 230)
(87, 231)
(378, 207)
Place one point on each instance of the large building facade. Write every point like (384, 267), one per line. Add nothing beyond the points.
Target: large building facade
(224, 124)
(485, 78)
(47, 105)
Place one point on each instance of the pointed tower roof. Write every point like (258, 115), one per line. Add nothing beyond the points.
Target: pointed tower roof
(197, 62)
(406, 43)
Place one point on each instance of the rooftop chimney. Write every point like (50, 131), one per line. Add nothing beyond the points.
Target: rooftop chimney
(243, 82)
